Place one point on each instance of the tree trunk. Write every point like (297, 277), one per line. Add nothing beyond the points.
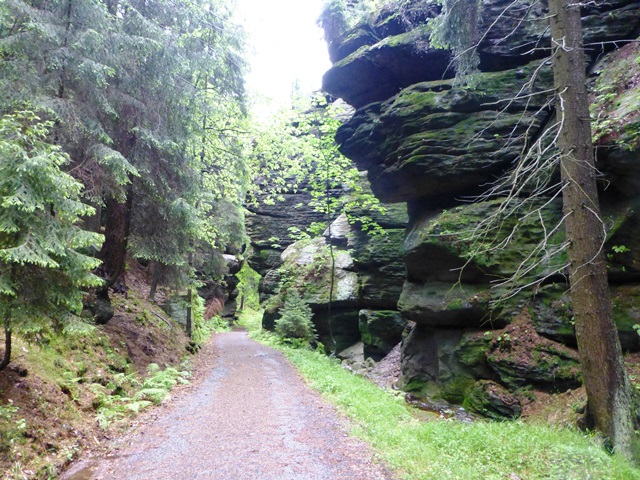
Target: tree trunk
(605, 379)
(7, 341)
(61, 82)
(116, 237)
(189, 325)
(155, 278)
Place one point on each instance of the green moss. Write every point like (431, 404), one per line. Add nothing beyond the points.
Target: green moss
(454, 230)
(455, 304)
(616, 99)
(423, 389)
(472, 350)
(408, 39)
(493, 401)
(456, 389)
(378, 249)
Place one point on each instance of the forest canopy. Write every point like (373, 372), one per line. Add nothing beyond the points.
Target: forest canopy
(134, 107)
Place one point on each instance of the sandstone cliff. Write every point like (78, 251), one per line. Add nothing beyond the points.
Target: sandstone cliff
(428, 142)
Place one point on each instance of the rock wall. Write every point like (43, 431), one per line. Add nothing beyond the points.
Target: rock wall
(268, 226)
(360, 303)
(425, 141)
(368, 277)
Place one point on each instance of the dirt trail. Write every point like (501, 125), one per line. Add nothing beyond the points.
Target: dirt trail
(248, 415)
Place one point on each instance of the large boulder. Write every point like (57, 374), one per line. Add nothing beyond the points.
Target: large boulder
(492, 400)
(307, 266)
(378, 71)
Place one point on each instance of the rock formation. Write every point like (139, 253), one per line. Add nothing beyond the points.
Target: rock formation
(426, 141)
(367, 282)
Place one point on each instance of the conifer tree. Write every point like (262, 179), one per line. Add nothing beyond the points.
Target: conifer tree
(42, 264)
(128, 85)
(295, 320)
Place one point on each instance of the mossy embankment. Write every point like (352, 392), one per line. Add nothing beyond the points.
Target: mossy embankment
(68, 391)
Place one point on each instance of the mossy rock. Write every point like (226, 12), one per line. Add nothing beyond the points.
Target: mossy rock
(449, 236)
(430, 365)
(417, 143)
(622, 248)
(380, 330)
(307, 268)
(456, 388)
(176, 307)
(352, 41)
(376, 72)
(419, 357)
(381, 288)
(552, 314)
(472, 353)
(101, 309)
(265, 259)
(269, 319)
(521, 357)
(442, 96)
(270, 283)
(493, 401)
(338, 332)
(439, 304)
(508, 42)
(376, 250)
(626, 314)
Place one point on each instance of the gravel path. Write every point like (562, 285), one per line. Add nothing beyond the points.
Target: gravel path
(248, 415)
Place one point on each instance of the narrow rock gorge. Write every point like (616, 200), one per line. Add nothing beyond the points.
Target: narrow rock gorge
(435, 146)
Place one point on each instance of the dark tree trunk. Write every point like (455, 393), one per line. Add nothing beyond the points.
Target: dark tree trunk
(155, 278)
(116, 237)
(189, 325)
(61, 84)
(605, 379)
(6, 359)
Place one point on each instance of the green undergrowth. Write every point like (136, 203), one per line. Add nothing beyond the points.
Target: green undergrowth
(65, 391)
(449, 449)
(251, 319)
(114, 401)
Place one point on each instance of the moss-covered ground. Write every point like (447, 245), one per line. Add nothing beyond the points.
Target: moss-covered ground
(67, 392)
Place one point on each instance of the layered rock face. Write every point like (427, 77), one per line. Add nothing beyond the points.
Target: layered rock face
(268, 226)
(360, 305)
(354, 296)
(428, 142)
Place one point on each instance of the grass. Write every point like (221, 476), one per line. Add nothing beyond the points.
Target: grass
(250, 319)
(452, 450)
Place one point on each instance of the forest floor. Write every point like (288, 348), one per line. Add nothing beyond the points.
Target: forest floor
(246, 414)
(63, 394)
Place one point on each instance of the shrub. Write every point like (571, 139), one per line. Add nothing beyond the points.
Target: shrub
(295, 319)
